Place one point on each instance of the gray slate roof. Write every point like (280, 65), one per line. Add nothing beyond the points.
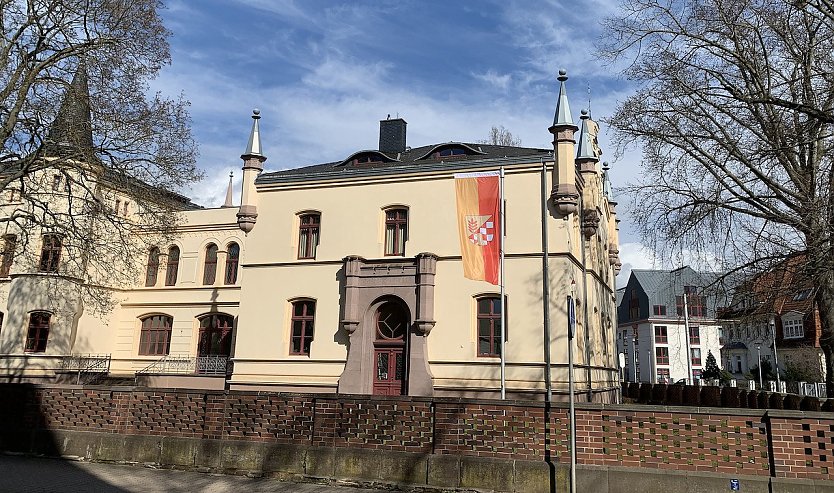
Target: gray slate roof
(488, 156)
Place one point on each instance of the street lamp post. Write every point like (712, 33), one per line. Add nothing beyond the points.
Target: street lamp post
(775, 355)
(759, 355)
(634, 356)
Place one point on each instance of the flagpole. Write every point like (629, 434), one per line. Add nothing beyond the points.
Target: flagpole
(546, 288)
(501, 275)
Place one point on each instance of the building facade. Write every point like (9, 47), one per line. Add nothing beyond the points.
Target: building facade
(773, 316)
(347, 277)
(656, 308)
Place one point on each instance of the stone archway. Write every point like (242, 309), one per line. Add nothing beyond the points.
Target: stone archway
(371, 288)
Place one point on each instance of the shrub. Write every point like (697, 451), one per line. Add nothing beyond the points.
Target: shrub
(761, 398)
(711, 397)
(674, 395)
(730, 397)
(645, 396)
(634, 390)
(828, 405)
(791, 402)
(752, 399)
(691, 395)
(776, 401)
(659, 393)
(809, 403)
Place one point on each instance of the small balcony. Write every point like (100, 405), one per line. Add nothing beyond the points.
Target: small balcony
(184, 371)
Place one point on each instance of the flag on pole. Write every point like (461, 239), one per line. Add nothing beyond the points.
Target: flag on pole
(479, 224)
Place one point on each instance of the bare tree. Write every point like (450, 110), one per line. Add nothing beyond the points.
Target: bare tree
(734, 113)
(500, 136)
(88, 156)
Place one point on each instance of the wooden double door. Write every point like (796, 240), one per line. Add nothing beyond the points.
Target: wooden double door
(390, 350)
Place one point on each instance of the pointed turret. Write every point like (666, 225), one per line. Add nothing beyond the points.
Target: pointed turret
(229, 198)
(586, 151)
(586, 160)
(564, 195)
(71, 134)
(253, 164)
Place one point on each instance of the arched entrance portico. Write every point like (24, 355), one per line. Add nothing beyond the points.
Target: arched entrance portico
(388, 311)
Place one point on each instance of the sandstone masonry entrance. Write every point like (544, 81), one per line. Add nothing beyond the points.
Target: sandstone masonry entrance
(388, 311)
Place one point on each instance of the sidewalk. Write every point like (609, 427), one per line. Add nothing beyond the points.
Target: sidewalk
(36, 475)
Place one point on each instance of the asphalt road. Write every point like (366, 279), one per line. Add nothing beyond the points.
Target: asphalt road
(36, 475)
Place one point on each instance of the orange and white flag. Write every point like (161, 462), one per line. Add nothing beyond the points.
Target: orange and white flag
(479, 224)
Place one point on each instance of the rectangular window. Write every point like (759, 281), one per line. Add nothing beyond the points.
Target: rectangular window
(303, 318)
(50, 253)
(793, 328)
(696, 356)
(660, 335)
(489, 326)
(696, 303)
(308, 235)
(38, 333)
(659, 310)
(695, 336)
(696, 374)
(56, 183)
(396, 231)
(663, 375)
(9, 244)
(634, 306)
(662, 355)
(155, 338)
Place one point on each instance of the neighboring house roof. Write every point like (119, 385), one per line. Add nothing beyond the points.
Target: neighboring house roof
(411, 160)
(782, 289)
(663, 287)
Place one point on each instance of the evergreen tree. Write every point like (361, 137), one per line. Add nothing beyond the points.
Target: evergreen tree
(711, 371)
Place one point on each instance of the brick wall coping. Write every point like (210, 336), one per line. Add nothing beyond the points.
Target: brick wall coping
(776, 413)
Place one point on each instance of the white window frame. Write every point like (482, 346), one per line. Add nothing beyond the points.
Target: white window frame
(793, 327)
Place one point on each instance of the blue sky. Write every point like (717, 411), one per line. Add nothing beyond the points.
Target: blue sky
(323, 73)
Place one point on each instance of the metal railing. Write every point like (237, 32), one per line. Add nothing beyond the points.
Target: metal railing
(87, 367)
(189, 365)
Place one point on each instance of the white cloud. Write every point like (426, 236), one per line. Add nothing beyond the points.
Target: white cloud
(493, 78)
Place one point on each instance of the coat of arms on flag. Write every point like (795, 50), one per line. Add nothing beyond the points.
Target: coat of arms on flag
(481, 229)
(478, 197)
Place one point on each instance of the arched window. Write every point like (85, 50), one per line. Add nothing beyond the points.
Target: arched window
(9, 244)
(232, 259)
(489, 326)
(216, 335)
(173, 266)
(396, 231)
(38, 332)
(153, 267)
(303, 316)
(155, 339)
(50, 253)
(210, 268)
(308, 235)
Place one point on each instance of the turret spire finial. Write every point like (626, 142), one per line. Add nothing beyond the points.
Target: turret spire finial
(254, 147)
(229, 196)
(562, 116)
(585, 149)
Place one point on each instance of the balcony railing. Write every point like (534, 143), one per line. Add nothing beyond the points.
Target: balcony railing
(87, 367)
(189, 365)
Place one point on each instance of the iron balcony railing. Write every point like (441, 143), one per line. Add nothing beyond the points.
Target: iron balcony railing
(86, 366)
(189, 365)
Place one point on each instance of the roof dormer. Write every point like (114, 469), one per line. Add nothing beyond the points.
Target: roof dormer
(451, 150)
(367, 158)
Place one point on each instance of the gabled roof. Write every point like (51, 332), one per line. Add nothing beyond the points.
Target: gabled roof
(411, 160)
(662, 287)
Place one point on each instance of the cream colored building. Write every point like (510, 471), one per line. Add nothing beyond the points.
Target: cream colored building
(347, 277)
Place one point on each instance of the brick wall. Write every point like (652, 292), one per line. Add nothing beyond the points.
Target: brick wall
(782, 444)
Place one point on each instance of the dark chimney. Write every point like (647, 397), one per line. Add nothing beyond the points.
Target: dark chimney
(392, 135)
